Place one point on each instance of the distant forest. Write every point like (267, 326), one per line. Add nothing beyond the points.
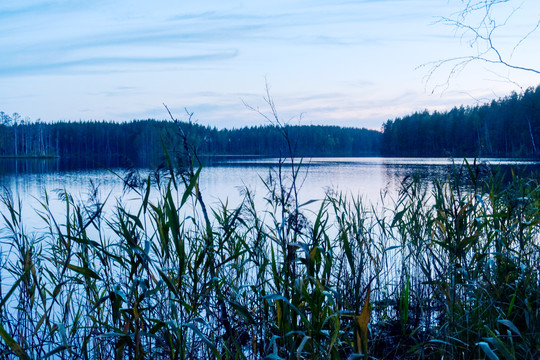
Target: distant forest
(509, 127)
(143, 141)
(506, 127)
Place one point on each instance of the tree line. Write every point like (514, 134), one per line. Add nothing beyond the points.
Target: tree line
(145, 140)
(506, 127)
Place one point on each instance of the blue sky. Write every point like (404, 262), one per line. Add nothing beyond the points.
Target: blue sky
(349, 63)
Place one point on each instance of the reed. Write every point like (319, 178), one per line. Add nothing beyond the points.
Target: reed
(445, 270)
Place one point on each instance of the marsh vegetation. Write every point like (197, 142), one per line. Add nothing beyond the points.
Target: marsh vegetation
(449, 269)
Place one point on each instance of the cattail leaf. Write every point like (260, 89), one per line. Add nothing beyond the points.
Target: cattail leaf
(510, 325)
(512, 303)
(159, 324)
(204, 339)
(134, 218)
(169, 283)
(13, 345)
(301, 346)
(84, 241)
(286, 301)
(242, 310)
(348, 252)
(398, 217)
(63, 335)
(487, 350)
(307, 203)
(190, 186)
(363, 322)
(147, 194)
(13, 288)
(54, 352)
(404, 305)
(87, 272)
(170, 166)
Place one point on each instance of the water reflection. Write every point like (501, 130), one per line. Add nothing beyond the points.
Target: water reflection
(35, 166)
(224, 178)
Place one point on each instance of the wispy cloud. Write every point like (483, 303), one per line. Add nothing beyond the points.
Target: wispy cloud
(16, 9)
(114, 64)
(75, 36)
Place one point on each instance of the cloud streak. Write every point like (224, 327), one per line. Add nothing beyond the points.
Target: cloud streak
(113, 63)
(59, 48)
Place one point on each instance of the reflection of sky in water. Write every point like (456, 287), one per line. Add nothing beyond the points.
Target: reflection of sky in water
(31, 188)
(226, 182)
(364, 177)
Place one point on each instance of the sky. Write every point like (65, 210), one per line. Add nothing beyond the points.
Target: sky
(354, 63)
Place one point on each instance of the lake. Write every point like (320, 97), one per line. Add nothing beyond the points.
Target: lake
(115, 266)
(224, 179)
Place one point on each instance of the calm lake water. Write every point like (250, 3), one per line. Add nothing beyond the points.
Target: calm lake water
(224, 180)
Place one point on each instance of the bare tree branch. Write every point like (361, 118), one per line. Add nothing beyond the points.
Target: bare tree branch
(477, 22)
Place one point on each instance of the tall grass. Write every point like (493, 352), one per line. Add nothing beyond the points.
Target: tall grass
(444, 270)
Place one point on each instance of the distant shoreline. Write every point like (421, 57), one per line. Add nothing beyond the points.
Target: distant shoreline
(25, 157)
(271, 156)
